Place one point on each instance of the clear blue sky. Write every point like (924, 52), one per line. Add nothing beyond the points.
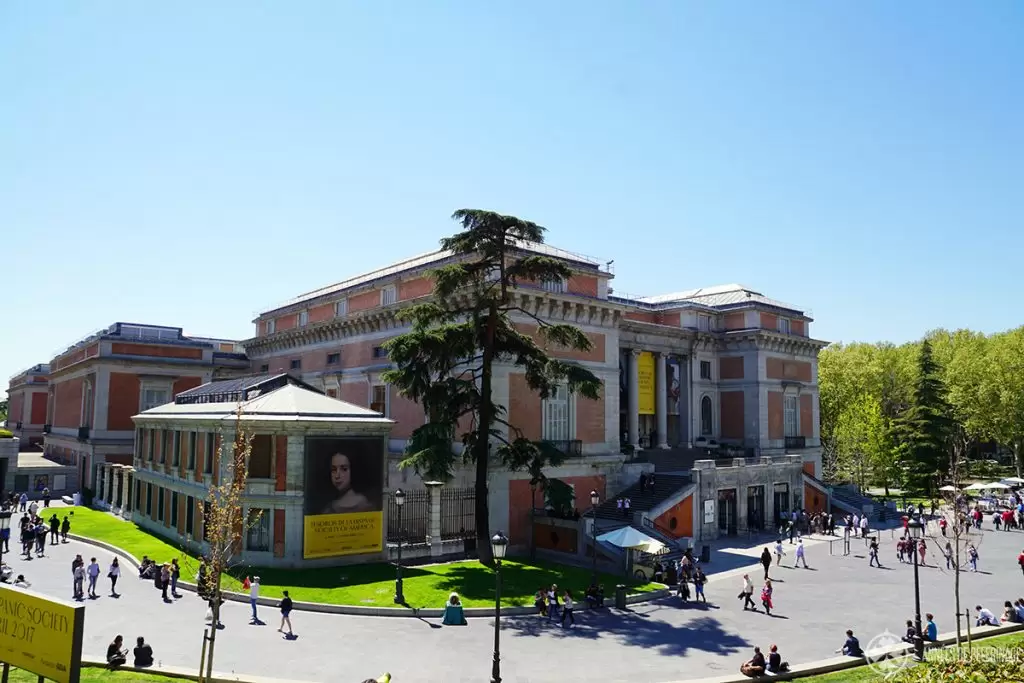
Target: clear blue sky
(192, 163)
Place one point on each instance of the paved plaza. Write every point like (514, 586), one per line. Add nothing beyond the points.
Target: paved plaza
(655, 642)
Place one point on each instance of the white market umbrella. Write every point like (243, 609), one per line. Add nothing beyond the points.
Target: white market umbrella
(628, 537)
(1013, 480)
(951, 489)
(996, 485)
(976, 487)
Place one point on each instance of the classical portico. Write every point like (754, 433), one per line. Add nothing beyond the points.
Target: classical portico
(638, 430)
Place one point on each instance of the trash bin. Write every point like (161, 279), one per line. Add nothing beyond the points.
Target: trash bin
(620, 597)
(705, 554)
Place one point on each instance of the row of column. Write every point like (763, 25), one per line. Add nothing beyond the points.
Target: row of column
(660, 394)
(114, 486)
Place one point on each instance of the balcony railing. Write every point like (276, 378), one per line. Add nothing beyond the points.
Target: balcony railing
(47, 428)
(796, 442)
(570, 448)
(83, 433)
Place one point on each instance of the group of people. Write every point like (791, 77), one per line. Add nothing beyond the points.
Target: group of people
(117, 653)
(759, 666)
(164, 577)
(546, 600)
(33, 531)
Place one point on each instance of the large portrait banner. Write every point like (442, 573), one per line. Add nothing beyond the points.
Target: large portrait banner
(344, 496)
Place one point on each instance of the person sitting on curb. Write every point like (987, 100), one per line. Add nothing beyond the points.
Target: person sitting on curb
(911, 635)
(116, 654)
(143, 653)
(775, 663)
(1009, 614)
(453, 614)
(755, 666)
(985, 617)
(851, 648)
(22, 582)
(594, 596)
(931, 631)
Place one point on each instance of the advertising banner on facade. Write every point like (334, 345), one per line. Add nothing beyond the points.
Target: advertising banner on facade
(41, 635)
(344, 490)
(645, 382)
(673, 380)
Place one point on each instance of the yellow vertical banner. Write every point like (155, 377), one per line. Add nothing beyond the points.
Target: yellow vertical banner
(645, 383)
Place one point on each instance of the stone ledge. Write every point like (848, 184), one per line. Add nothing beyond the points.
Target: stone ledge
(187, 674)
(356, 610)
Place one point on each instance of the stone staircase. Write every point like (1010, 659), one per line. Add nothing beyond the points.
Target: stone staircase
(855, 501)
(665, 486)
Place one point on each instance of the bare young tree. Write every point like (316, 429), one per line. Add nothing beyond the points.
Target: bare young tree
(224, 523)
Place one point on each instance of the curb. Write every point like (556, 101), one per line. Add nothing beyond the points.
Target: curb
(186, 674)
(841, 663)
(355, 610)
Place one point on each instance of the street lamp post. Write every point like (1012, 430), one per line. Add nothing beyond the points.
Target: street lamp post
(917, 533)
(499, 544)
(595, 499)
(399, 496)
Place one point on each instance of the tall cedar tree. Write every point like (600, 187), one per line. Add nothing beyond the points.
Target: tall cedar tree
(925, 427)
(446, 362)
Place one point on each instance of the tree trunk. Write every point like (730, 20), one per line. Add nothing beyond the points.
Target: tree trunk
(213, 629)
(533, 525)
(483, 439)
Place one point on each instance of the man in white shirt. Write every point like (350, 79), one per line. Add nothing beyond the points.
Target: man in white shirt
(864, 526)
(254, 593)
(985, 617)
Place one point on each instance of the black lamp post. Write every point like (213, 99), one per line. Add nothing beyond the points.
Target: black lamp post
(916, 533)
(499, 544)
(399, 496)
(595, 499)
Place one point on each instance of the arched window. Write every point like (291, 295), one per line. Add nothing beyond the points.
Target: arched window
(705, 416)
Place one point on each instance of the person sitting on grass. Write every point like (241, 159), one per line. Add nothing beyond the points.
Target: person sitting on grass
(453, 614)
(143, 653)
(116, 653)
(755, 666)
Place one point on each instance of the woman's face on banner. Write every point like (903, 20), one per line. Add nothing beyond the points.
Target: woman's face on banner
(341, 472)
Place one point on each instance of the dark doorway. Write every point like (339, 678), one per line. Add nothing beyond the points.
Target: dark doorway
(755, 508)
(727, 511)
(781, 503)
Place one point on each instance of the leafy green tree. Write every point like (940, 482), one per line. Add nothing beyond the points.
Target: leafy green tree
(446, 362)
(926, 426)
(1005, 381)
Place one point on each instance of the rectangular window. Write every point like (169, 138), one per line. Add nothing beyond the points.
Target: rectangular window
(303, 318)
(333, 358)
(258, 534)
(210, 455)
(271, 326)
(190, 515)
(557, 425)
(149, 500)
(163, 446)
(792, 412)
(296, 364)
(191, 451)
(379, 399)
(333, 393)
(174, 509)
(176, 450)
(160, 504)
(784, 325)
(138, 497)
(705, 369)
(265, 367)
(152, 444)
(153, 396)
(388, 295)
(380, 352)
(704, 323)
(341, 308)
(553, 286)
(261, 457)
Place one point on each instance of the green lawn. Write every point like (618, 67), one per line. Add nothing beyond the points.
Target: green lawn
(370, 585)
(90, 675)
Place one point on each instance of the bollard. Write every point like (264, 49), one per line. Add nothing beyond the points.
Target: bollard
(620, 597)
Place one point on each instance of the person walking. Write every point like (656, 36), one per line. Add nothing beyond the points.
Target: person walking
(942, 525)
(699, 579)
(766, 596)
(286, 610)
(78, 572)
(94, 573)
(567, 607)
(54, 529)
(864, 526)
(113, 573)
(22, 502)
(766, 562)
(254, 594)
(873, 553)
(800, 555)
(65, 527)
(175, 575)
(165, 580)
(922, 549)
(1020, 561)
(779, 553)
(972, 557)
(747, 593)
(41, 534)
(948, 552)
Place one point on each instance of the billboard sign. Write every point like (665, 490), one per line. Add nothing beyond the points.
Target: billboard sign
(41, 635)
(344, 496)
(645, 383)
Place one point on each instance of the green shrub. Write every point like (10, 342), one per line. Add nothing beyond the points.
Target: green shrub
(982, 665)
(6, 433)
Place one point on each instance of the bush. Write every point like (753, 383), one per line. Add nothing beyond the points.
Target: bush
(982, 665)
(6, 433)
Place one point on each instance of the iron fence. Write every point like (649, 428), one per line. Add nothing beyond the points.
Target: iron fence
(458, 513)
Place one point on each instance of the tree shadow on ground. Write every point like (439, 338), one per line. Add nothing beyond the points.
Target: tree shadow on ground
(519, 582)
(327, 577)
(639, 629)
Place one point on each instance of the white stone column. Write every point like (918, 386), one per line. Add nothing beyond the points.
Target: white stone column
(634, 399)
(110, 485)
(661, 400)
(434, 538)
(99, 494)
